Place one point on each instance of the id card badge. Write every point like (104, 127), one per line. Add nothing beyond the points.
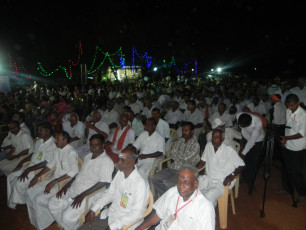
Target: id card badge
(169, 222)
(124, 201)
(40, 156)
(73, 132)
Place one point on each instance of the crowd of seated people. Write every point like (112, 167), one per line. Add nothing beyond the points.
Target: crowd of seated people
(120, 130)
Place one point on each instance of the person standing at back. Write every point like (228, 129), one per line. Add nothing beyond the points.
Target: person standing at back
(294, 143)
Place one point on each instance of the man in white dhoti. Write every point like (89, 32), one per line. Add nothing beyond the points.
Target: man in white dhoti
(21, 145)
(19, 180)
(222, 165)
(96, 172)
(66, 164)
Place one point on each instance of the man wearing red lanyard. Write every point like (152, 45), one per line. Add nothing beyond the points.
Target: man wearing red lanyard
(182, 206)
(294, 143)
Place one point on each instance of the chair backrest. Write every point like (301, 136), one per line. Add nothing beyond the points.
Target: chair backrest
(150, 204)
(173, 134)
(174, 137)
(80, 162)
(237, 146)
(145, 214)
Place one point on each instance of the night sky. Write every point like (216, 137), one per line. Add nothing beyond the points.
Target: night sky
(239, 35)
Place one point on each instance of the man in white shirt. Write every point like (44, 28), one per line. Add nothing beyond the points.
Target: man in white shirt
(147, 110)
(134, 105)
(119, 103)
(279, 111)
(234, 102)
(96, 172)
(135, 123)
(21, 145)
(128, 195)
(230, 134)
(272, 89)
(300, 91)
(70, 109)
(112, 93)
(283, 91)
(140, 103)
(184, 102)
(95, 126)
(222, 165)
(245, 100)
(222, 115)
(151, 145)
(19, 180)
(66, 166)
(20, 117)
(294, 151)
(257, 106)
(186, 150)
(194, 115)
(75, 128)
(182, 206)
(162, 127)
(253, 136)
(266, 100)
(174, 115)
(203, 106)
(110, 115)
(214, 105)
(163, 99)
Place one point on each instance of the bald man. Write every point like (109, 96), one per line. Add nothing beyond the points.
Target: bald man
(182, 206)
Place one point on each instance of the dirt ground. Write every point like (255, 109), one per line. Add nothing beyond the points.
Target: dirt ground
(279, 213)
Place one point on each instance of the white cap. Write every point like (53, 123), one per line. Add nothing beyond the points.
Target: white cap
(217, 122)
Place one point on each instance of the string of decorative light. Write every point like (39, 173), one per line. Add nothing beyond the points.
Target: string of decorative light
(46, 74)
(19, 69)
(108, 56)
(71, 63)
(103, 57)
(147, 58)
(68, 73)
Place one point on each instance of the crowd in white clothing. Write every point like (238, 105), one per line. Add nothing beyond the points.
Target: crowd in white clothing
(138, 117)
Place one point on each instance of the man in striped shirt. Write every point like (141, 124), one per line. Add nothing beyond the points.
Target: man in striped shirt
(186, 150)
